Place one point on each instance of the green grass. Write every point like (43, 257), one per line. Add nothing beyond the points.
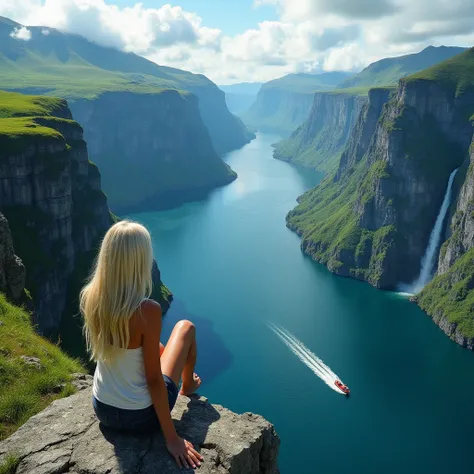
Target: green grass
(70, 66)
(10, 464)
(451, 295)
(20, 105)
(455, 74)
(26, 390)
(389, 71)
(26, 120)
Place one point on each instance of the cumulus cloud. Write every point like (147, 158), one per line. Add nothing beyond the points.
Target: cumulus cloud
(22, 33)
(309, 35)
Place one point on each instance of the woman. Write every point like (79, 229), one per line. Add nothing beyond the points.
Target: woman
(134, 389)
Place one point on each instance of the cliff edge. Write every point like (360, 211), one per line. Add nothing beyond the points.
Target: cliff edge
(67, 438)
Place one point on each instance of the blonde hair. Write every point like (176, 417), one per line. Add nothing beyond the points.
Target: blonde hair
(120, 281)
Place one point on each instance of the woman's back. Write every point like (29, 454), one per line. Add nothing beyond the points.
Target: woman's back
(122, 382)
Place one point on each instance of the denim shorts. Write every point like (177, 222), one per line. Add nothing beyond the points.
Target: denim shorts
(133, 420)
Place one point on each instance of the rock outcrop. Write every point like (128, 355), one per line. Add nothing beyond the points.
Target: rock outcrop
(67, 438)
(153, 150)
(319, 141)
(12, 270)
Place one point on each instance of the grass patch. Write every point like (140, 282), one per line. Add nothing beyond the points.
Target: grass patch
(451, 295)
(10, 464)
(455, 74)
(389, 71)
(27, 390)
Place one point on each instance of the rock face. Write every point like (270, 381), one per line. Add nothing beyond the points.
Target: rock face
(448, 298)
(12, 270)
(282, 105)
(51, 195)
(372, 219)
(319, 141)
(153, 150)
(67, 438)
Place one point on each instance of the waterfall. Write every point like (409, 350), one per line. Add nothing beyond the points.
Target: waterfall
(429, 259)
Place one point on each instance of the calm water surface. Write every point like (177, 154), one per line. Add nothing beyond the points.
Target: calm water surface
(234, 267)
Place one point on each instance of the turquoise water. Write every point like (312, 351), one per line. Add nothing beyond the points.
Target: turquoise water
(233, 267)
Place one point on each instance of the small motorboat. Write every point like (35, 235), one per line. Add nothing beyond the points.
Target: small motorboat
(343, 388)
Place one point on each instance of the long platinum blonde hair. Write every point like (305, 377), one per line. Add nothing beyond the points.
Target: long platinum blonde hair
(120, 281)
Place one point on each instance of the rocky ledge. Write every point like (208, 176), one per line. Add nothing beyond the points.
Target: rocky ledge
(67, 438)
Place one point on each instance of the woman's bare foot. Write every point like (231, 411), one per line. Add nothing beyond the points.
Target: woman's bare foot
(192, 387)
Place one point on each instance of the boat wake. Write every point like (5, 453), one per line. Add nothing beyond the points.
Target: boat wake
(311, 360)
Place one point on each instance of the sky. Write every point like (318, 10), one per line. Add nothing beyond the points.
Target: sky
(234, 41)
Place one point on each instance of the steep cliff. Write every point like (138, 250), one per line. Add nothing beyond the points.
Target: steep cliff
(319, 141)
(283, 104)
(51, 195)
(153, 150)
(449, 298)
(372, 218)
(66, 65)
(12, 270)
(67, 438)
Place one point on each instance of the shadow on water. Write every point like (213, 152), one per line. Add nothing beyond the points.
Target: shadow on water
(149, 450)
(213, 355)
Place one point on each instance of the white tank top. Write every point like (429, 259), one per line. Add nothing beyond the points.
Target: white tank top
(122, 384)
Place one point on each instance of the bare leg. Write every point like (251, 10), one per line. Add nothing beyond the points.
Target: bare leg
(162, 348)
(179, 357)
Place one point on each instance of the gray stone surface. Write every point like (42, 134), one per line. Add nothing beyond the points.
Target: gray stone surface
(32, 362)
(66, 438)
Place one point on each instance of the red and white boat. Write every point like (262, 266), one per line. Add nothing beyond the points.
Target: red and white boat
(343, 388)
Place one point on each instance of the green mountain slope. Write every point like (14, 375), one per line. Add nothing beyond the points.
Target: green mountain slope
(320, 140)
(283, 104)
(69, 66)
(389, 70)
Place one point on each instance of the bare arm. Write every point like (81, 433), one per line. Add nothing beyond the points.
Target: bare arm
(153, 374)
(182, 451)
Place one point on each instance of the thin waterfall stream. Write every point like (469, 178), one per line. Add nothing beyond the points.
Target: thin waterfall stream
(428, 261)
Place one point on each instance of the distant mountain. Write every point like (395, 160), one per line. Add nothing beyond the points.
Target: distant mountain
(239, 97)
(152, 130)
(242, 88)
(283, 104)
(70, 66)
(389, 70)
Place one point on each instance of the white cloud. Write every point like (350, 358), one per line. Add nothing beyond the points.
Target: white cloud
(22, 33)
(310, 35)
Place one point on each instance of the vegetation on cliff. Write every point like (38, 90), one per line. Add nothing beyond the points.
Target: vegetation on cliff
(373, 217)
(28, 385)
(319, 141)
(450, 296)
(283, 104)
(455, 75)
(389, 70)
(69, 66)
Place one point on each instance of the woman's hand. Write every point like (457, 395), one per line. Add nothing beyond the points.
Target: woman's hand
(184, 453)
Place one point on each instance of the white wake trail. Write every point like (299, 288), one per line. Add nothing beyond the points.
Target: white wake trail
(311, 360)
